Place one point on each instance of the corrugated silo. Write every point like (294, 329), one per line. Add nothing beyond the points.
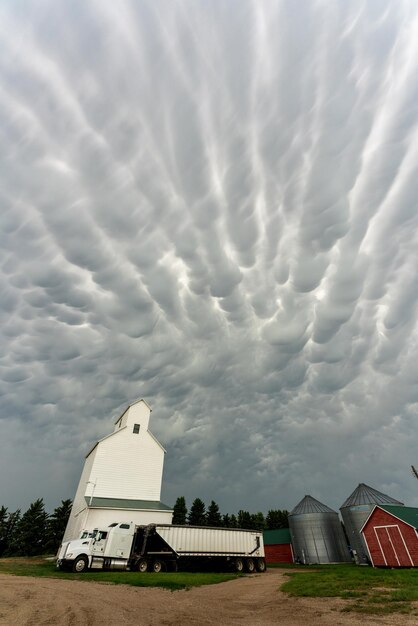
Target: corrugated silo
(355, 510)
(317, 534)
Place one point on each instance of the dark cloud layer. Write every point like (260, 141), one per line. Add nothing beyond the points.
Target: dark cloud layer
(211, 205)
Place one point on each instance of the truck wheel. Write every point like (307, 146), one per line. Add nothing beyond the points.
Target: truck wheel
(239, 565)
(261, 565)
(142, 566)
(250, 566)
(157, 566)
(80, 565)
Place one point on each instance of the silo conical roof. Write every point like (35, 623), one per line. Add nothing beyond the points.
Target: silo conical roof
(310, 505)
(367, 495)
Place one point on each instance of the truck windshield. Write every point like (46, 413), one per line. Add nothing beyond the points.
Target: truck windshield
(86, 534)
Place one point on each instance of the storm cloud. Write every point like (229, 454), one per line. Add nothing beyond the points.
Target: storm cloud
(213, 206)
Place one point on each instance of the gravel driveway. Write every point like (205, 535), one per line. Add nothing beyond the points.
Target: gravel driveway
(249, 601)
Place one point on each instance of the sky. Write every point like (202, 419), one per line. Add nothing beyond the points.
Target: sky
(211, 206)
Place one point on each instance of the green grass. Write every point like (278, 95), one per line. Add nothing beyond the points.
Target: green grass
(169, 580)
(369, 590)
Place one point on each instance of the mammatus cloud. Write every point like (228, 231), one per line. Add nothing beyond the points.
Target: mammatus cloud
(211, 206)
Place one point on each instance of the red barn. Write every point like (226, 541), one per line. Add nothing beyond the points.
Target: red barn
(278, 546)
(391, 536)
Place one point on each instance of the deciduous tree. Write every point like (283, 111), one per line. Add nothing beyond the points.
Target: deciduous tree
(277, 519)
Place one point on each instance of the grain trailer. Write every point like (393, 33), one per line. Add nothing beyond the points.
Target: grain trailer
(163, 547)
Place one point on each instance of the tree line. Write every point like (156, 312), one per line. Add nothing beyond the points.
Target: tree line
(35, 532)
(200, 516)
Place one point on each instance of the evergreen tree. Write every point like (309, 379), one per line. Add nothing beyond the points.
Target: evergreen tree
(3, 525)
(233, 522)
(9, 536)
(244, 519)
(31, 532)
(258, 521)
(213, 516)
(8, 523)
(197, 514)
(180, 511)
(56, 525)
(277, 519)
(226, 521)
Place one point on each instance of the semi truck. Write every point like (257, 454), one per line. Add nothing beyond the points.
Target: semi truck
(163, 547)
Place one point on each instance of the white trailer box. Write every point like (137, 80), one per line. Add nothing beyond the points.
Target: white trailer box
(200, 540)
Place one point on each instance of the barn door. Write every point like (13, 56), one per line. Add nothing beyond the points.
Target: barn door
(392, 546)
(386, 547)
(399, 546)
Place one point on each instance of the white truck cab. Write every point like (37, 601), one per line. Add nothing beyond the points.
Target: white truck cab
(98, 549)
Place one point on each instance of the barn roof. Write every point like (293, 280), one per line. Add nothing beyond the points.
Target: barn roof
(123, 503)
(278, 536)
(408, 514)
(364, 494)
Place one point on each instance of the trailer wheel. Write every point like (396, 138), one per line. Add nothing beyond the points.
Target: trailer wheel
(250, 565)
(157, 566)
(80, 564)
(239, 565)
(142, 566)
(261, 565)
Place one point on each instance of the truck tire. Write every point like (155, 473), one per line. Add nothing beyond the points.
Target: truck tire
(157, 566)
(80, 564)
(239, 565)
(249, 566)
(261, 565)
(142, 566)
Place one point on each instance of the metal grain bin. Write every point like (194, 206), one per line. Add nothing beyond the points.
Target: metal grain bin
(355, 510)
(317, 534)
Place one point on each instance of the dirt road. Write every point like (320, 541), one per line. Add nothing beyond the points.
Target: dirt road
(251, 600)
